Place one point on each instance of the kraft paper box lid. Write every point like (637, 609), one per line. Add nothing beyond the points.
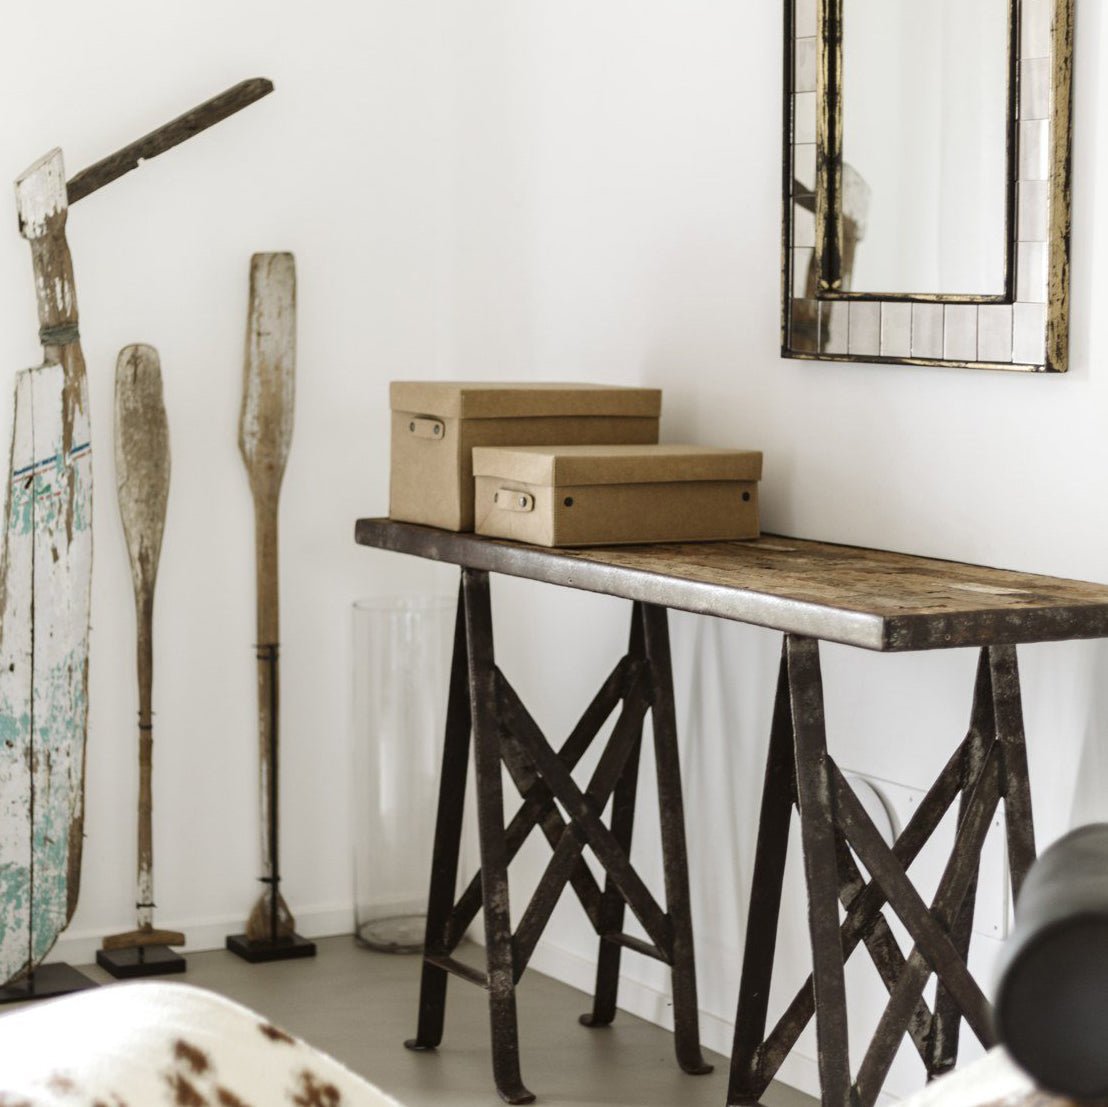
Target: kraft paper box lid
(560, 466)
(506, 400)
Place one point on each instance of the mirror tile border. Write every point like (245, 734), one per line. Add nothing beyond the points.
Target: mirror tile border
(1031, 334)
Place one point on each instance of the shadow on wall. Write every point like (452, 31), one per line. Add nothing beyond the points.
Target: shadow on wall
(725, 677)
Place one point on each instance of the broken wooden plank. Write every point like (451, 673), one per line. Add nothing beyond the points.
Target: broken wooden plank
(165, 138)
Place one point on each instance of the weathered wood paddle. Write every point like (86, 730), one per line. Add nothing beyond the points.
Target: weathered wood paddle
(46, 578)
(142, 469)
(265, 433)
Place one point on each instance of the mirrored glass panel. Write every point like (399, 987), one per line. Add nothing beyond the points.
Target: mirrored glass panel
(927, 182)
(925, 125)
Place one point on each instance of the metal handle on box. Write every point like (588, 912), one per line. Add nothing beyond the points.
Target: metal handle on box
(511, 499)
(427, 428)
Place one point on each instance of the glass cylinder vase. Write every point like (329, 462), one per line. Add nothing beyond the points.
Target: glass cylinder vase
(402, 647)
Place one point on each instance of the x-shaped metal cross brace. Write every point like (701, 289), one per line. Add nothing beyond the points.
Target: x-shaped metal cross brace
(989, 766)
(483, 704)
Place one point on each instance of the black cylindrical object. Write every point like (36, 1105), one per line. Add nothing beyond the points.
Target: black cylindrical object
(1052, 1002)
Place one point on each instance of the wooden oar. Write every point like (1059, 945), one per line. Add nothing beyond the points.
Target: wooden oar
(142, 478)
(265, 432)
(46, 584)
(46, 576)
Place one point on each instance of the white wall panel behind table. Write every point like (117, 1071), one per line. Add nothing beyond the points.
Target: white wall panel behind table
(549, 189)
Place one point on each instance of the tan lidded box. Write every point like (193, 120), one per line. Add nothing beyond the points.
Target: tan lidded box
(436, 425)
(615, 495)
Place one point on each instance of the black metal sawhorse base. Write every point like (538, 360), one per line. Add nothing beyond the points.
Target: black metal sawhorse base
(990, 765)
(483, 703)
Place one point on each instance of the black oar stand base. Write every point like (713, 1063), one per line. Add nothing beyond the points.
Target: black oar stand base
(138, 961)
(46, 982)
(284, 949)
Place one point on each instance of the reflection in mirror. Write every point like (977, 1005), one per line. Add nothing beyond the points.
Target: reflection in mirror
(925, 125)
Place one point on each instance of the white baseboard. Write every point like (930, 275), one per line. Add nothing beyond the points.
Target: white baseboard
(322, 921)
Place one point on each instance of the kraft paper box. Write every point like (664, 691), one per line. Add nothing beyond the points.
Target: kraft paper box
(616, 495)
(437, 424)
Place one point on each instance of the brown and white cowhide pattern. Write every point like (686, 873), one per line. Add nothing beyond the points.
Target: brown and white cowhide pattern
(164, 1045)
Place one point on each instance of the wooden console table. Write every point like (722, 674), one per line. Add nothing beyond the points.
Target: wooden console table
(809, 591)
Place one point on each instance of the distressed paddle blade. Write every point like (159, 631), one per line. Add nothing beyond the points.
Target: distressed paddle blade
(265, 424)
(141, 461)
(142, 475)
(45, 570)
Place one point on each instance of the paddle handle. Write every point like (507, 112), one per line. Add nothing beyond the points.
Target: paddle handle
(267, 643)
(265, 564)
(271, 918)
(144, 611)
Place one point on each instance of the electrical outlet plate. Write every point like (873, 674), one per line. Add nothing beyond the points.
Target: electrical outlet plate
(993, 912)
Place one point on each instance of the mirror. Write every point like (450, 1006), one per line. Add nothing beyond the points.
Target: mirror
(927, 182)
(925, 123)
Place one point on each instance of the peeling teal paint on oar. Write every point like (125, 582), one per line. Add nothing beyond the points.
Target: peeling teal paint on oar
(45, 574)
(46, 564)
(45, 584)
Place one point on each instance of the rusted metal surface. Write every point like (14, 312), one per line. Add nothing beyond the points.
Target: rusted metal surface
(764, 906)
(816, 806)
(610, 918)
(833, 819)
(1015, 784)
(863, 597)
(942, 1052)
(499, 954)
(441, 938)
(265, 435)
(1061, 172)
(671, 806)
(828, 260)
(483, 703)
(868, 598)
(883, 948)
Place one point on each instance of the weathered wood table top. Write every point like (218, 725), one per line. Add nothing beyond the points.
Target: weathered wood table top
(868, 598)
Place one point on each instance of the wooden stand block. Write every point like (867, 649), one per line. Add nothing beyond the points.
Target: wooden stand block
(285, 949)
(138, 961)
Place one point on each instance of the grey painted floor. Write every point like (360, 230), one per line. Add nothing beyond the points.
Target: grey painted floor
(360, 1006)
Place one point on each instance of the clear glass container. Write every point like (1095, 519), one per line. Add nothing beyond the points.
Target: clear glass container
(401, 653)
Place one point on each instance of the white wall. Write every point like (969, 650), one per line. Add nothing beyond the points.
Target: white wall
(345, 165)
(577, 189)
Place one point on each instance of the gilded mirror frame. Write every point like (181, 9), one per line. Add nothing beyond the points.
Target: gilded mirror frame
(1027, 326)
